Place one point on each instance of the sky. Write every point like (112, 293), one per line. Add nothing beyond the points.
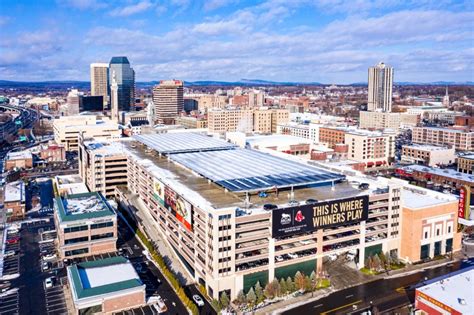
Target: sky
(328, 41)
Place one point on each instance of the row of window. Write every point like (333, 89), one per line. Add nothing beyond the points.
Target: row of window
(86, 227)
(86, 238)
(75, 252)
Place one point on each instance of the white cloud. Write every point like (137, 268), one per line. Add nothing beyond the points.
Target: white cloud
(132, 9)
(210, 5)
(83, 4)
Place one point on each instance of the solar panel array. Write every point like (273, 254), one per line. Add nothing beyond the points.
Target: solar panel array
(168, 143)
(249, 170)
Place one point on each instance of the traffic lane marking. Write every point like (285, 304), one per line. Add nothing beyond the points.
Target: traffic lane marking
(341, 307)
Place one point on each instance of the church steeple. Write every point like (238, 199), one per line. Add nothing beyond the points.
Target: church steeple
(446, 98)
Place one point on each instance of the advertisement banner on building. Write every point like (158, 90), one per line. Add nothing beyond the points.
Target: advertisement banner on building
(309, 218)
(179, 207)
(159, 191)
(464, 204)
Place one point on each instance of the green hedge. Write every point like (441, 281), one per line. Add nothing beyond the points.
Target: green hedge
(164, 269)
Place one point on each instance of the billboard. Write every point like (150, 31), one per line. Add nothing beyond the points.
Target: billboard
(159, 191)
(309, 218)
(179, 207)
(464, 213)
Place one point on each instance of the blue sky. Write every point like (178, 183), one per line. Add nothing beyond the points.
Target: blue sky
(329, 41)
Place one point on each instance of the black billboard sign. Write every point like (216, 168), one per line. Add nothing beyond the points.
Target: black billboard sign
(309, 218)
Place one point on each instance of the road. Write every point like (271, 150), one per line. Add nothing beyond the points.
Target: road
(386, 294)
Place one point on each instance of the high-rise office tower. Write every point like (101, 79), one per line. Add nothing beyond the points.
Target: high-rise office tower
(380, 88)
(100, 81)
(73, 101)
(114, 98)
(168, 100)
(125, 79)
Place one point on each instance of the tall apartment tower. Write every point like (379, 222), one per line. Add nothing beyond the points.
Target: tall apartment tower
(125, 79)
(256, 98)
(100, 81)
(168, 100)
(114, 107)
(380, 88)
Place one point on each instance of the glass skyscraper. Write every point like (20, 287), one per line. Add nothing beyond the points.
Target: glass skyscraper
(125, 78)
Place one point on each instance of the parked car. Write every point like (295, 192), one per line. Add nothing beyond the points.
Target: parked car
(45, 266)
(292, 256)
(159, 304)
(332, 257)
(279, 258)
(48, 283)
(49, 257)
(198, 300)
(13, 241)
(9, 253)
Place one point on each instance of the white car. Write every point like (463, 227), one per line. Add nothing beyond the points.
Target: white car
(279, 258)
(292, 256)
(48, 283)
(45, 265)
(49, 257)
(9, 253)
(332, 257)
(198, 300)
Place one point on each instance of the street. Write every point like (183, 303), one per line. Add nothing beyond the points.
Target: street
(386, 294)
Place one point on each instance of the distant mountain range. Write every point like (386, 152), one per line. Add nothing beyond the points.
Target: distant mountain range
(243, 82)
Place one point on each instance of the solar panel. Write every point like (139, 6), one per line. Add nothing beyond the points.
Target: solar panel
(169, 143)
(248, 170)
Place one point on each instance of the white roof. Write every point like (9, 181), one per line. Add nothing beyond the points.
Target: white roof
(276, 140)
(99, 276)
(19, 155)
(441, 172)
(453, 289)
(426, 147)
(105, 148)
(416, 198)
(14, 191)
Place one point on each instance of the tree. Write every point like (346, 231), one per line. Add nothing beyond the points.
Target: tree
(312, 276)
(259, 292)
(241, 299)
(272, 289)
(251, 297)
(224, 300)
(307, 284)
(290, 285)
(299, 281)
(215, 303)
(376, 262)
(283, 286)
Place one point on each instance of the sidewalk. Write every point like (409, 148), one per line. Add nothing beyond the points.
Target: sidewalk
(168, 254)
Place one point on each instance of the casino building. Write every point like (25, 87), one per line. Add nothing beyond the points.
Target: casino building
(237, 216)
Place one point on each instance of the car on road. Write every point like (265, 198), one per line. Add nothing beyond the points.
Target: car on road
(158, 303)
(48, 283)
(198, 300)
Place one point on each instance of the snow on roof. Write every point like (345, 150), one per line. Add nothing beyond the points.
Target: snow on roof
(446, 129)
(84, 204)
(105, 148)
(276, 140)
(14, 191)
(21, 155)
(441, 172)
(455, 290)
(426, 147)
(99, 276)
(417, 198)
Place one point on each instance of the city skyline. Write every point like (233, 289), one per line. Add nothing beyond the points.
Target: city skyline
(225, 40)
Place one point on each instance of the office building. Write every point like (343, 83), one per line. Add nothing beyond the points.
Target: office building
(20, 160)
(432, 217)
(100, 82)
(261, 120)
(380, 88)
(86, 225)
(14, 200)
(190, 122)
(306, 131)
(168, 100)
(331, 136)
(125, 79)
(202, 195)
(73, 102)
(447, 294)
(102, 165)
(460, 139)
(105, 286)
(256, 98)
(387, 120)
(466, 164)
(374, 149)
(67, 129)
(91, 104)
(429, 155)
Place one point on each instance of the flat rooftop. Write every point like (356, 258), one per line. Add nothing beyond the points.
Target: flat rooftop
(104, 276)
(83, 206)
(441, 172)
(21, 155)
(169, 143)
(242, 170)
(455, 290)
(71, 183)
(101, 148)
(418, 198)
(207, 195)
(14, 191)
(426, 147)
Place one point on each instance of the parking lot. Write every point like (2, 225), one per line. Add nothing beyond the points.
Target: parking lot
(9, 304)
(9, 296)
(55, 300)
